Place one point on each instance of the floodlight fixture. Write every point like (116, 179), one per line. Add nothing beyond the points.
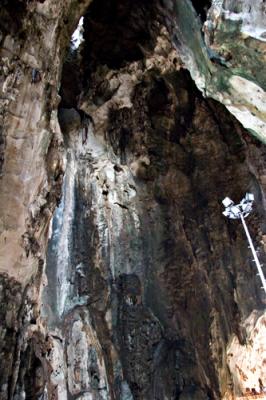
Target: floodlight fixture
(235, 211)
(227, 202)
(226, 213)
(249, 197)
(241, 211)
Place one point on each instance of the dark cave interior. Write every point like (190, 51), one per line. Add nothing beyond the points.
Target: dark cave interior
(117, 32)
(201, 7)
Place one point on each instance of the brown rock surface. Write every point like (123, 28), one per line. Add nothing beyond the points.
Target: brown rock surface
(146, 291)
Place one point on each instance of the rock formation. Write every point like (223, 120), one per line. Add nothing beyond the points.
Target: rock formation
(120, 278)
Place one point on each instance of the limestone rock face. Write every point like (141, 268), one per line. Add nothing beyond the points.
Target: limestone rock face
(235, 34)
(33, 36)
(119, 276)
(249, 364)
(228, 64)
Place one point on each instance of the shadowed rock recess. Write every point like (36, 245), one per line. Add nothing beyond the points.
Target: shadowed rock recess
(120, 279)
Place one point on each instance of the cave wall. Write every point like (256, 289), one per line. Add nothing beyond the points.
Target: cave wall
(225, 54)
(146, 291)
(33, 38)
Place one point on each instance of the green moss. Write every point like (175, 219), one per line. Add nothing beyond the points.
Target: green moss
(243, 74)
(190, 31)
(221, 80)
(247, 59)
(244, 56)
(227, 29)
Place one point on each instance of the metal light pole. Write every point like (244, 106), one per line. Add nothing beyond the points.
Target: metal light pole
(241, 211)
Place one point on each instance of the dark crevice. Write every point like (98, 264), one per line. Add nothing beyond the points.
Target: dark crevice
(116, 32)
(121, 205)
(12, 13)
(202, 7)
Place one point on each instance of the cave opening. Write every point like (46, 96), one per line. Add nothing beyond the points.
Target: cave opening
(77, 37)
(114, 33)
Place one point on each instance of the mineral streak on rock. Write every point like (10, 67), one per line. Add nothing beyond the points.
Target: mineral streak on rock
(119, 277)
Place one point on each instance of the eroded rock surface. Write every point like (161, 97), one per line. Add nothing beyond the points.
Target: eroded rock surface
(235, 34)
(146, 291)
(228, 64)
